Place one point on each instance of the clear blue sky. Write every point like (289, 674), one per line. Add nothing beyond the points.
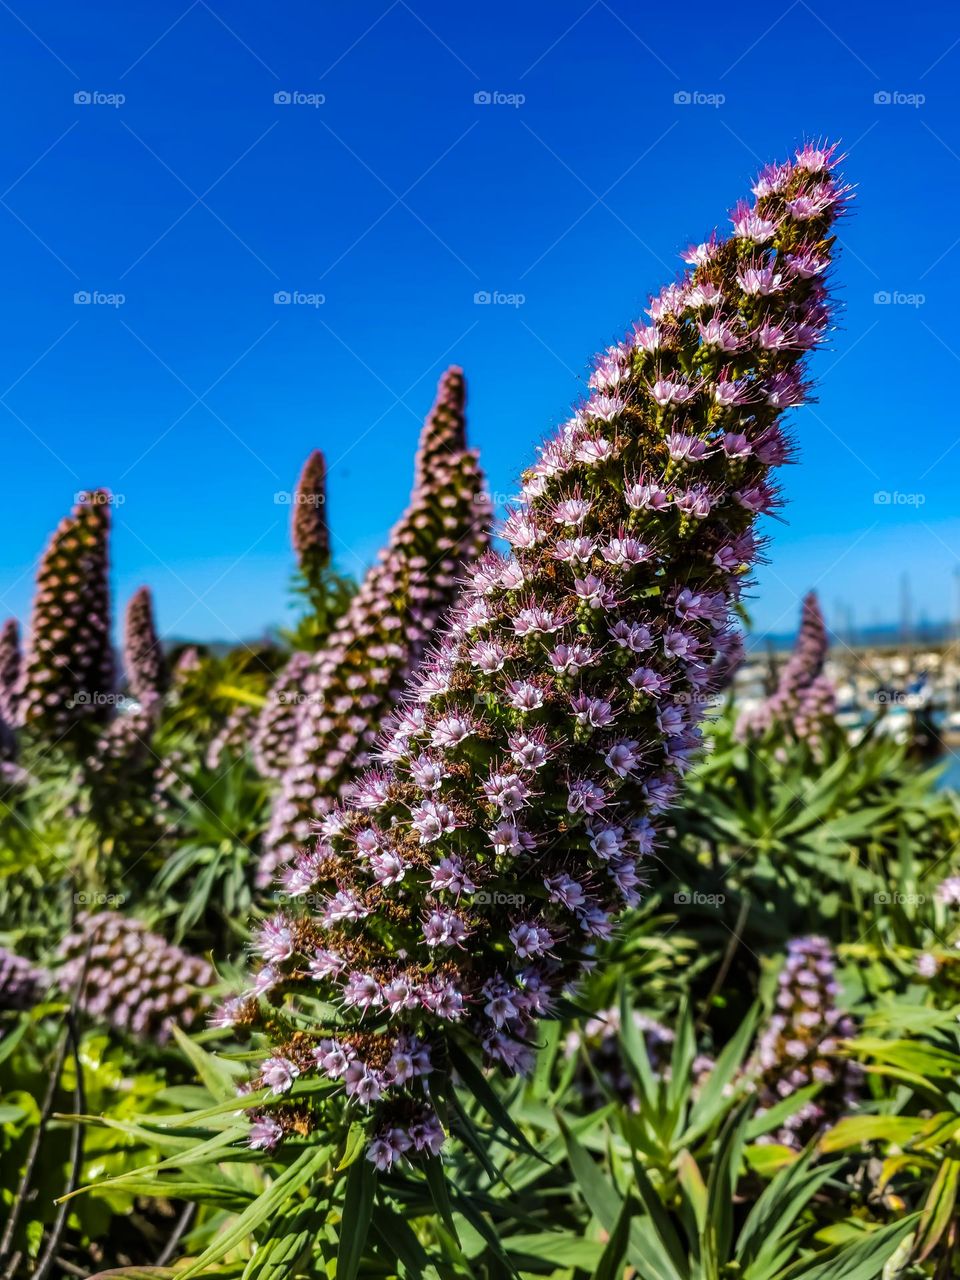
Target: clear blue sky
(199, 197)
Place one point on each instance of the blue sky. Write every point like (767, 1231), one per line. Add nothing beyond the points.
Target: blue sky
(197, 197)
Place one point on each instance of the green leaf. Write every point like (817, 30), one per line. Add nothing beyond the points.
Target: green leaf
(909, 1055)
(436, 1178)
(650, 1258)
(694, 1187)
(852, 1130)
(610, 1266)
(721, 1185)
(779, 1206)
(681, 1061)
(938, 1209)
(358, 1200)
(399, 1240)
(660, 1222)
(354, 1146)
(601, 1197)
(306, 1166)
(780, 1112)
(862, 1261)
(482, 1091)
(191, 1153)
(711, 1098)
(213, 1071)
(635, 1051)
(563, 1249)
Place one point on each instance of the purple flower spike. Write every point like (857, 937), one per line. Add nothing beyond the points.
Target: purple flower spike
(21, 983)
(142, 650)
(275, 732)
(309, 531)
(804, 701)
(9, 688)
(549, 730)
(798, 1046)
(131, 978)
(68, 670)
(358, 678)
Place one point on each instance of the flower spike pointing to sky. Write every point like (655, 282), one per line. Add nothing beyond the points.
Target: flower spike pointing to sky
(309, 531)
(464, 881)
(358, 677)
(804, 698)
(68, 670)
(9, 686)
(143, 659)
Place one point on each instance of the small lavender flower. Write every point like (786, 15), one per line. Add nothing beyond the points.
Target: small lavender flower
(358, 677)
(567, 854)
(21, 982)
(804, 700)
(143, 660)
(131, 978)
(68, 663)
(798, 1046)
(928, 966)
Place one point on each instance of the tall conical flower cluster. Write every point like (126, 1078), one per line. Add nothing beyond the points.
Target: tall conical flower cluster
(309, 531)
(9, 687)
(67, 677)
(233, 738)
(276, 729)
(799, 1045)
(143, 660)
(21, 983)
(360, 674)
(131, 978)
(804, 697)
(465, 881)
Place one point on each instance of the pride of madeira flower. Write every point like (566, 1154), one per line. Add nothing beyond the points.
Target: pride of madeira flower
(67, 672)
(356, 680)
(466, 878)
